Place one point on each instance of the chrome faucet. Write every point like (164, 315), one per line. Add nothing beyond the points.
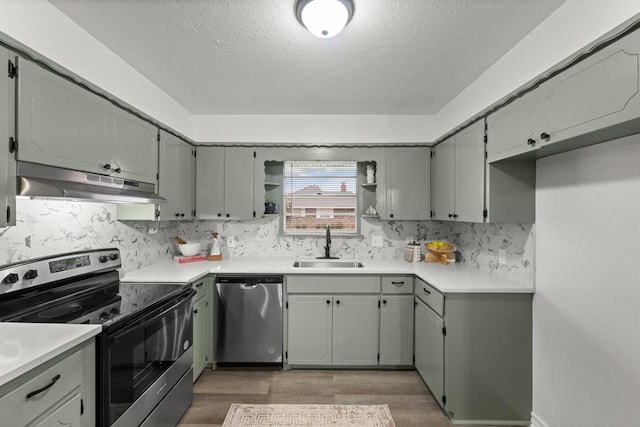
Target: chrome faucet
(327, 246)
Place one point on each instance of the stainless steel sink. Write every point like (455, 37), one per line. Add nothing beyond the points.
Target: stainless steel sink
(328, 264)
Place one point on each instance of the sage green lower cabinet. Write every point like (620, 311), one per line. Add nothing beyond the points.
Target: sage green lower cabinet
(396, 330)
(70, 401)
(309, 326)
(340, 330)
(429, 343)
(474, 353)
(332, 320)
(355, 330)
(202, 325)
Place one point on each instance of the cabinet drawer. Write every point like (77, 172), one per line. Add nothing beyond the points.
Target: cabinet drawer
(201, 289)
(18, 410)
(430, 295)
(333, 284)
(397, 285)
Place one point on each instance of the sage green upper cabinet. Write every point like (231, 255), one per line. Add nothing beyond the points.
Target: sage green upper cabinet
(408, 183)
(135, 147)
(443, 176)
(209, 182)
(60, 123)
(469, 175)
(238, 182)
(512, 130)
(459, 164)
(596, 94)
(7, 153)
(176, 178)
(355, 330)
(224, 182)
(309, 329)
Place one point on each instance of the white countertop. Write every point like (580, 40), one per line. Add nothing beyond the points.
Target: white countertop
(452, 278)
(23, 346)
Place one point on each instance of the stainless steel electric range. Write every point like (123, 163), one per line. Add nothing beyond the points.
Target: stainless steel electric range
(144, 354)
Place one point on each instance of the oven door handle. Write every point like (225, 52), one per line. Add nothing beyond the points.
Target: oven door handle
(150, 318)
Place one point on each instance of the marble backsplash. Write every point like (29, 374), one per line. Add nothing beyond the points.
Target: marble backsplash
(478, 243)
(46, 227)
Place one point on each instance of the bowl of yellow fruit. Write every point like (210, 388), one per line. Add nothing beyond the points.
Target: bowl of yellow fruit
(440, 247)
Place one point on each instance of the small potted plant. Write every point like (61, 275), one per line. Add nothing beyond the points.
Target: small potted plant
(270, 207)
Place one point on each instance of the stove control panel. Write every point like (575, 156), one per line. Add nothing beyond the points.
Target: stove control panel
(26, 274)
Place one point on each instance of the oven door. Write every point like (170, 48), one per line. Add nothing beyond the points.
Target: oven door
(143, 361)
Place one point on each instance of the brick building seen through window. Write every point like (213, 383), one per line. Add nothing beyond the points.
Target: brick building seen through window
(320, 193)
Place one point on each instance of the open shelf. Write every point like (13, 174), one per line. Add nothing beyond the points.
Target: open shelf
(271, 184)
(369, 185)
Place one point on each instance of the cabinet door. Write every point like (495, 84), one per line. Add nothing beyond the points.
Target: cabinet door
(512, 129)
(135, 147)
(355, 330)
(598, 92)
(174, 183)
(309, 322)
(238, 182)
(7, 159)
(469, 173)
(396, 330)
(429, 342)
(210, 182)
(59, 123)
(443, 174)
(66, 415)
(199, 336)
(408, 183)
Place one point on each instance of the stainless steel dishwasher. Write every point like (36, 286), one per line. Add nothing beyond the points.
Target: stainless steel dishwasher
(249, 320)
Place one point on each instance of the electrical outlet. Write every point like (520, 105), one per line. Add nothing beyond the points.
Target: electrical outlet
(376, 241)
(231, 242)
(502, 256)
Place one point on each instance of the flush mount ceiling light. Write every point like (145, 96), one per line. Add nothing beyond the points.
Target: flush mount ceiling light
(324, 18)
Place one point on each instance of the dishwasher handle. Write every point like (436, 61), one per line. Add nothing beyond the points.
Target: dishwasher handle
(248, 286)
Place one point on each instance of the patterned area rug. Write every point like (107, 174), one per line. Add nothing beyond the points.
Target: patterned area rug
(308, 415)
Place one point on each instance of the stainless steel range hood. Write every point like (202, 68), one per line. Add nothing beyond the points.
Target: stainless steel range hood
(40, 181)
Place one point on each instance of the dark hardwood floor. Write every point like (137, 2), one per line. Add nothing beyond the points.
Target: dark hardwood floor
(409, 400)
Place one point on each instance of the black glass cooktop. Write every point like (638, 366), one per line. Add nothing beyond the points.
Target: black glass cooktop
(100, 299)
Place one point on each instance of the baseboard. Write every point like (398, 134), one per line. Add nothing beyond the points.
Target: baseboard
(536, 421)
(490, 422)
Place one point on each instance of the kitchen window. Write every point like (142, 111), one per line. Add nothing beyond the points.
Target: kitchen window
(320, 193)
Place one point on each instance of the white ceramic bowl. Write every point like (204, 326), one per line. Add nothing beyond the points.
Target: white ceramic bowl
(190, 248)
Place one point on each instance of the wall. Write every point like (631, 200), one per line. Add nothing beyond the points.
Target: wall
(52, 227)
(586, 311)
(43, 28)
(314, 129)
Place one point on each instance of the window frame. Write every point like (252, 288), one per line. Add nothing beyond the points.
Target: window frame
(319, 229)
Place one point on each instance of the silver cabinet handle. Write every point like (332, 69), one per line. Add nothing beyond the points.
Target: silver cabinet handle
(397, 283)
(427, 291)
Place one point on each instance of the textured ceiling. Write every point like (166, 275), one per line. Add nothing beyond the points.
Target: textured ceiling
(253, 57)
